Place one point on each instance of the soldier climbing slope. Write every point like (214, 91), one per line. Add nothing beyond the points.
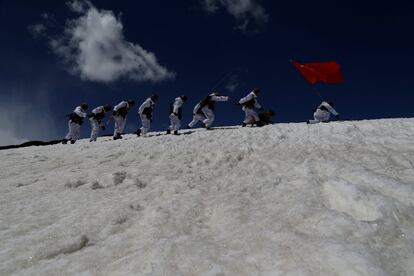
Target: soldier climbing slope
(75, 122)
(204, 110)
(95, 118)
(176, 114)
(120, 114)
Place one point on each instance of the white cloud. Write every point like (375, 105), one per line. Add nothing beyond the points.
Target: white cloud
(79, 6)
(210, 5)
(94, 47)
(248, 13)
(37, 29)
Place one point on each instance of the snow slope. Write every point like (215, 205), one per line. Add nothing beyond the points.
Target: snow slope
(287, 199)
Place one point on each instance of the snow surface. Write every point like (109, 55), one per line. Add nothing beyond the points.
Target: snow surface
(287, 199)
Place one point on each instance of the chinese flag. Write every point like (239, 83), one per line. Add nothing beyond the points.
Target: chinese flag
(328, 72)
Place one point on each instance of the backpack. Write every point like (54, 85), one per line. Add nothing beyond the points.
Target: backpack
(207, 102)
(250, 104)
(99, 116)
(148, 112)
(75, 118)
(123, 112)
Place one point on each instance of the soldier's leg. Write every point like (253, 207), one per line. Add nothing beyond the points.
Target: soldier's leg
(209, 117)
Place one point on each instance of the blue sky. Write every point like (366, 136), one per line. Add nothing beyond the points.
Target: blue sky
(51, 61)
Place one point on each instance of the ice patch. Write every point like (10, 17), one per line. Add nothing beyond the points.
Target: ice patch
(348, 259)
(353, 200)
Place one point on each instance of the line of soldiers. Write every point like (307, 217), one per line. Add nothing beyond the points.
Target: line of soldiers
(203, 112)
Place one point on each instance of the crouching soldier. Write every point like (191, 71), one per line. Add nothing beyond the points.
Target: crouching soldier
(75, 122)
(145, 113)
(95, 118)
(204, 110)
(265, 118)
(176, 114)
(120, 114)
(323, 113)
(249, 103)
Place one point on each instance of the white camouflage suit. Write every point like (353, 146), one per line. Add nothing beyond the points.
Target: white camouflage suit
(119, 120)
(74, 128)
(250, 113)
(174, 119)
(95, 125)
(145, 121)
(208, 117)
(197, 117)
(323, 113)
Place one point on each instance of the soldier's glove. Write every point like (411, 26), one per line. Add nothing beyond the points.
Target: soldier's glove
(337, 116)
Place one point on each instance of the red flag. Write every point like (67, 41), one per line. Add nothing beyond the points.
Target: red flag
(328, 72)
